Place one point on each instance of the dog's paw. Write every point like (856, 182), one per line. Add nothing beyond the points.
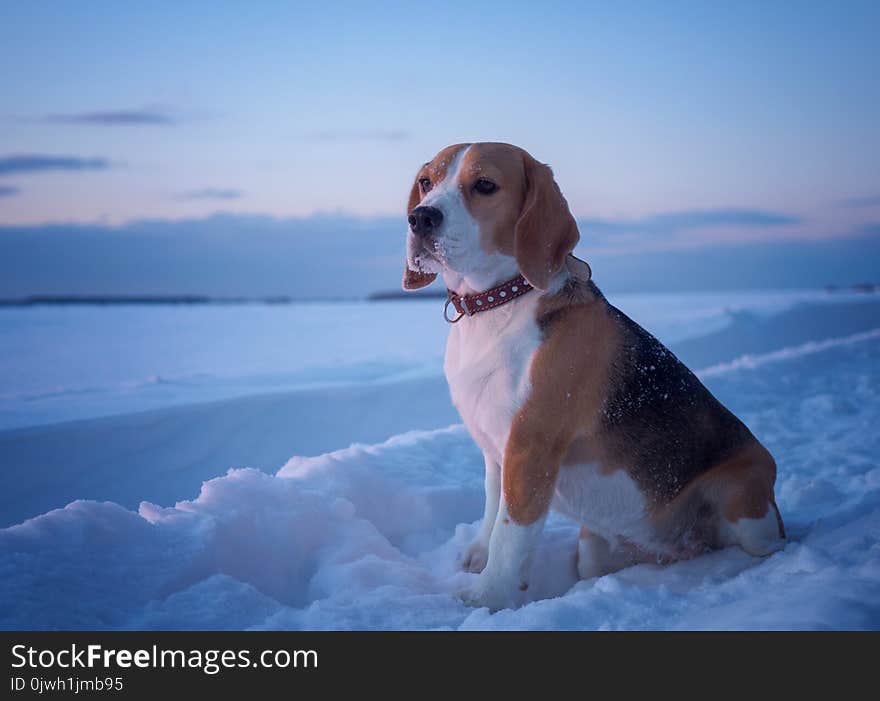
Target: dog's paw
(475, 557)
(485, 594)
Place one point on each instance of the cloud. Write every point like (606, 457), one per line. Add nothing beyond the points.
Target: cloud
(212, 193)
(870, 201)
(220, 255)
(683, 229)
(336, 256)
(360, 135)
(114, 118)
(8, 191)
(846, 259)
(33, 163)
(672, 223)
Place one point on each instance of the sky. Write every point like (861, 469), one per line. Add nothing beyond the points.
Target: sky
(671, 126)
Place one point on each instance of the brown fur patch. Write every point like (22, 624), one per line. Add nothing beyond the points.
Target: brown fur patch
(742, 485)
(435, 170)
(546, 231)
(527, 217)
(416, 279)
(569, 383)
(497, 213)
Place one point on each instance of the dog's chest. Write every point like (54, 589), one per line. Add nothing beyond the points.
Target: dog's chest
(488, 357)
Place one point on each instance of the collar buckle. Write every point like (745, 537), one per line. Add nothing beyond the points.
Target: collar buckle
(446, 312)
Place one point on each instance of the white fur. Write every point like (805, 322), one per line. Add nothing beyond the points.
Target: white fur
(610, 505)
(757, 536)
(488, 356)
(477, 554)
(505, 581)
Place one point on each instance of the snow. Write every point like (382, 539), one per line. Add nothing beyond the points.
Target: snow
(368, 535)
(80, 362)
(754, 361)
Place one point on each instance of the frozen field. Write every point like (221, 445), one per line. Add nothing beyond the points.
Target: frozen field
(301, 467)
(63, 363)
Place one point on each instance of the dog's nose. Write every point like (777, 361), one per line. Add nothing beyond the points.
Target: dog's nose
(425, 220)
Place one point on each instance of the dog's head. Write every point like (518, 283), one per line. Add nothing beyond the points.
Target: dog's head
(483, 212)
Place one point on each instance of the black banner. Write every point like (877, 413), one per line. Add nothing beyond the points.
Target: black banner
(144, 664)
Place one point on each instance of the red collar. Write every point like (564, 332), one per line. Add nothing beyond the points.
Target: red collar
(468, 305)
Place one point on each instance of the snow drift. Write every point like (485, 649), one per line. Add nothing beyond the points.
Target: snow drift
(369, 536)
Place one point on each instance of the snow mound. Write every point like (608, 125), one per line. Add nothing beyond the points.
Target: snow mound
(368, 537)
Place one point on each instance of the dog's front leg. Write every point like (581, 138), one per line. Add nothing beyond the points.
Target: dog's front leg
(477, 554)
(505, 580)
(528, 479)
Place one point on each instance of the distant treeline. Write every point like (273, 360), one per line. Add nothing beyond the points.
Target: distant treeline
(158, 300)
(103, 300)
(858, 287)
(400, 294)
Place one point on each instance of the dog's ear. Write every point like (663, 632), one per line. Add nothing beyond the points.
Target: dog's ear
(415, 279)
(546, 231)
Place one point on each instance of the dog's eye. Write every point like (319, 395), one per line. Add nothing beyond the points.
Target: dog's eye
(485, 187)
(424, 185)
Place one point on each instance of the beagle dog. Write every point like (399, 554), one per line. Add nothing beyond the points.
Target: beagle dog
(574, 406)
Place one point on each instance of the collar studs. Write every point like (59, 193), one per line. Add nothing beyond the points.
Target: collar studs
(468, 305)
